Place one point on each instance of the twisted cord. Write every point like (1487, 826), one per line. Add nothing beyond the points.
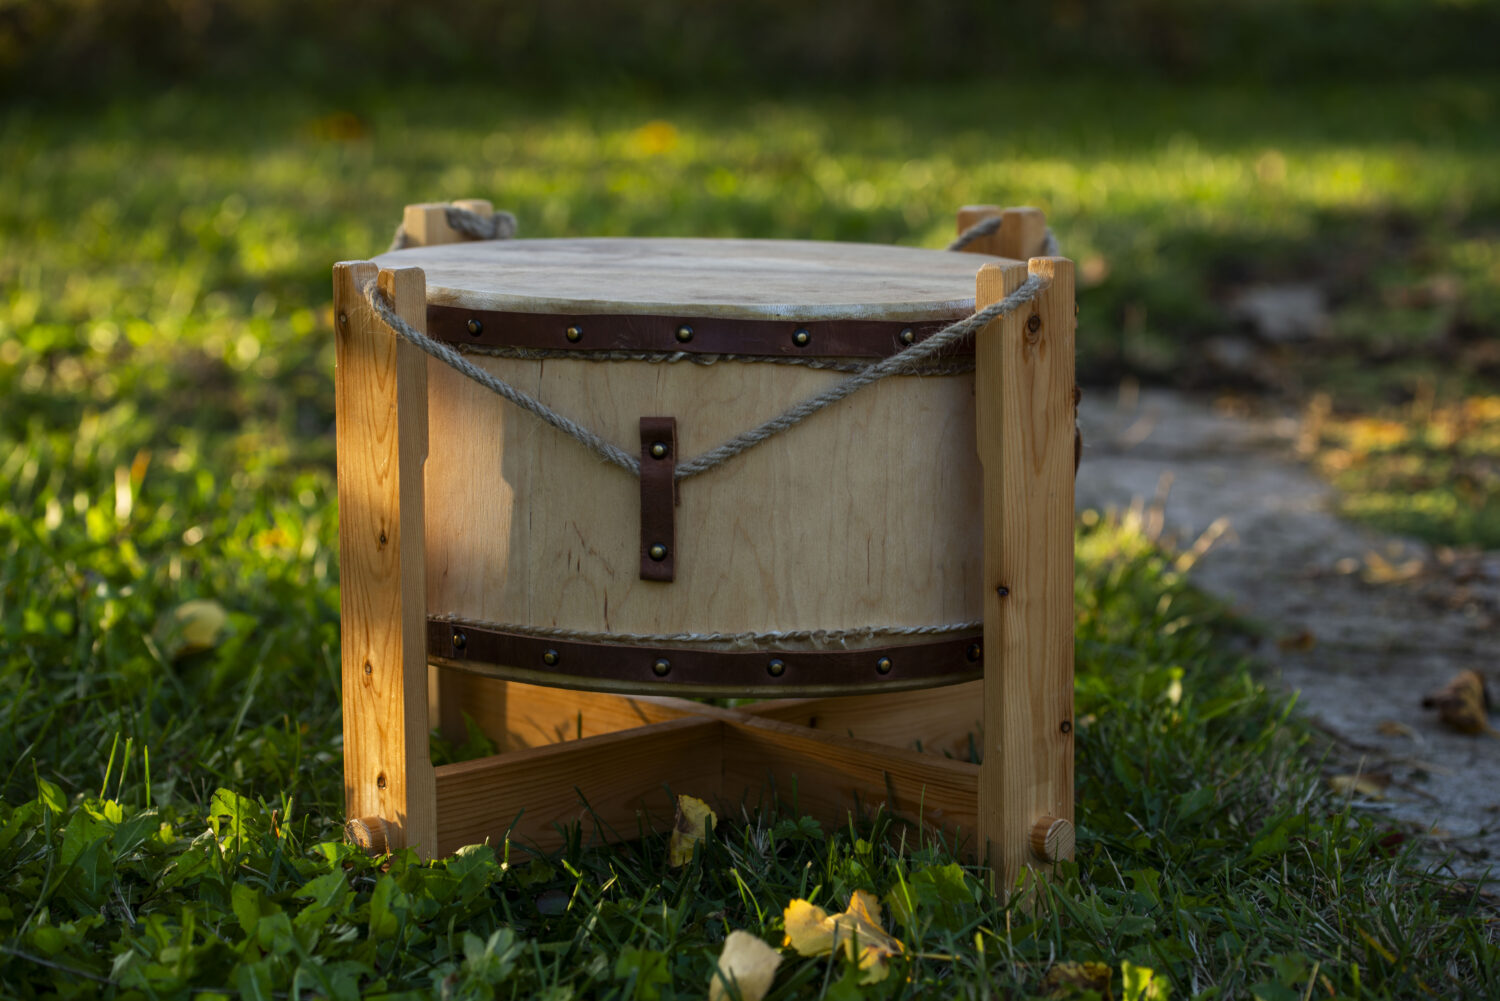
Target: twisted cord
(897, 364)
(450, 357)
(818, 637)
(906, 361)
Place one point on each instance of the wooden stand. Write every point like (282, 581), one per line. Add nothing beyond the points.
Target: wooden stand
(615, 762)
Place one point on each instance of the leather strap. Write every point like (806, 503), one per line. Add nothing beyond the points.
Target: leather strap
(585, 332)
(658, 498)
(572, 663)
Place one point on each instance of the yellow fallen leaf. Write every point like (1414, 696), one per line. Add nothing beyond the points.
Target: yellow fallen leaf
(1371, 785)
(694, 819)
(747, 963)
(1462, 704)
(1068, 979)
(194, 626)
(812, 931)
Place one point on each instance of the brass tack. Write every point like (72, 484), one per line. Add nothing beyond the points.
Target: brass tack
(575, 333)
(684, 333)
(659, 450)
(908, 336)
(776, 668)
(657, 552)
(459, 639)
(475, 327)
(661, 666)
(884, 665)
(550, 658)
(974, 651)
(801, 337)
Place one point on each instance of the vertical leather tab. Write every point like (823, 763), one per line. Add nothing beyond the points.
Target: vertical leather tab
(658, 498)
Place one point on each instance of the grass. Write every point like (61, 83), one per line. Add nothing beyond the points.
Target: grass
(165, 362)
(1209, 852)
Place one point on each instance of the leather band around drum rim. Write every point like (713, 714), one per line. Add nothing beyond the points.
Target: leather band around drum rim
(908, 665)
(788, 338)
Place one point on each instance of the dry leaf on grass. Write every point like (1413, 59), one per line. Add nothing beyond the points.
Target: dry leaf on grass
(1462, 704)
(812, 931)
(1371, 785)
(694, 819)
(747, 963)
(1067, 979)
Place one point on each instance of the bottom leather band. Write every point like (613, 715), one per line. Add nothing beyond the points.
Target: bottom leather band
(953, 658)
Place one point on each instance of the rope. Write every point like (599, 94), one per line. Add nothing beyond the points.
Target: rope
(818, 637)
(499, 226)
(903, 362)
(986, 227)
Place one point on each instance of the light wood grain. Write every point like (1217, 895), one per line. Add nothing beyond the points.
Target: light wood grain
(516, 715)
(945, 721)
(627, 780)
(1025, 418)
(828, 777)
(1021, 236)
(426, 224)
(381, 415)
(810, 530)
(802, 280)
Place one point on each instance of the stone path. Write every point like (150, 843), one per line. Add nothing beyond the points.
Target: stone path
(1361, 624)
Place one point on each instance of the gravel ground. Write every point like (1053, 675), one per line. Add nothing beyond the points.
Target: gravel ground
(1360, 624)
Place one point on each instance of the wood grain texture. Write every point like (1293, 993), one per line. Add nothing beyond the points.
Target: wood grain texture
(1021, 236)
(1025, 418)
(627, 779)
(517, 716)
(945, 721)
(381, 415)
(426, 224)
(747, 279)
(865, 515)
(829, 777)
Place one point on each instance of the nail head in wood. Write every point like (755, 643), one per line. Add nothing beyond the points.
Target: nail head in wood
(460, 640)
(657, 552)
(367, 834)
(659, 450)
(661, 667)
(475, 327)
(884, 665)
(574, 333)
(801, 337)
(550, 658)
(684, 333)
(776, 668)
(908, 336)
(1052, 839)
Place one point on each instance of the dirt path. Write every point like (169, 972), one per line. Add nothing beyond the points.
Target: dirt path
(1360, 623)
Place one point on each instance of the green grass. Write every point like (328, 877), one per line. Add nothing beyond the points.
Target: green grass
(166, 367)
(1208, 850)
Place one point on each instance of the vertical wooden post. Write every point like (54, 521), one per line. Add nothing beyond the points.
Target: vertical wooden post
(1024, 409)
(426, 224)
(381, 413)
(1022, 231)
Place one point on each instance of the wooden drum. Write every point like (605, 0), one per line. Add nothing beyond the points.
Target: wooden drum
(580, 477)
(861, 522)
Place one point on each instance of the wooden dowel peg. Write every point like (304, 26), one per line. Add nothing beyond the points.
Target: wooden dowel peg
(367, 834)
(1052, 839)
